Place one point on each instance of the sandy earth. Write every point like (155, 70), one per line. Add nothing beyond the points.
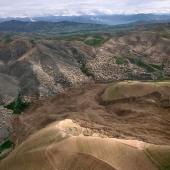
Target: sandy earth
(68, 149)
(64, 145)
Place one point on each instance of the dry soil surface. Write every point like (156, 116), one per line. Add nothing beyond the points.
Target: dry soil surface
(130, 119)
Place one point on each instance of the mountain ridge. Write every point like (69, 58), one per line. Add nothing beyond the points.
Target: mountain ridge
(114, 19)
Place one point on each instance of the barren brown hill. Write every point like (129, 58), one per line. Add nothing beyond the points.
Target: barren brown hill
(139, 118)
(152, 46)
(45, 67)
(120, 126)
(65, 145)
(134, 56)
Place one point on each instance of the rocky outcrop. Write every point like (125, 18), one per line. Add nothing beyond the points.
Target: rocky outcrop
(5, 124)
(9, 88)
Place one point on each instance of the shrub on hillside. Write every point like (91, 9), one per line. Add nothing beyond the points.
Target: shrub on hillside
(18, 105)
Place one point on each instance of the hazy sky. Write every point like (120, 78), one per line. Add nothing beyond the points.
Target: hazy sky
(76, 7)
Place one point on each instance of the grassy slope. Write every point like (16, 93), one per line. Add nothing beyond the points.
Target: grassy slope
(32, 151)
(148, 67)
(121, 61)
(136, 88)
(161, 155)
(112, 92)
(52, 147)
(7, 147)
(108, 152)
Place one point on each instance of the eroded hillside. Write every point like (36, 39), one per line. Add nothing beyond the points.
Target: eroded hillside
(67, 145)
(45, 67)
(135, 56)
(139, 117)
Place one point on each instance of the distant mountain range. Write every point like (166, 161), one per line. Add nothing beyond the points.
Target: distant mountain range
(63, 27)
(99, 19)
(67, 27)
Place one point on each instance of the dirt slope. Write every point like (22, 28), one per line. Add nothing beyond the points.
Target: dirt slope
(152, 46)
(158, 91)
(45, 67)
(9, 88)
(124, 119)
(56, 147)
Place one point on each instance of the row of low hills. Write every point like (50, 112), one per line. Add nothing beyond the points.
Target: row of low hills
(99, 96)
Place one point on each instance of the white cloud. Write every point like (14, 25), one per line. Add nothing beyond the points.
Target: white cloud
(66, 7)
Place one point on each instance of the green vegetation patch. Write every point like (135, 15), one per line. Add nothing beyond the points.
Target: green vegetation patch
(98, 36)
(93, 42)
(93, 39)
(139, 63)
(112, 92)
(146, 66)
(17, 106)
(164, 32)
(163, 78)
(6, 145)
(161, 155)
(97, 39)
(85, 70)
(8, 40)
(159, 67)
(121, 61)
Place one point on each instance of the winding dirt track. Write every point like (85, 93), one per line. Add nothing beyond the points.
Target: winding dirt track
(27, 54)
(49, 154)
